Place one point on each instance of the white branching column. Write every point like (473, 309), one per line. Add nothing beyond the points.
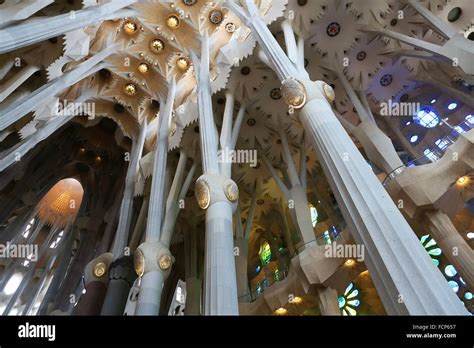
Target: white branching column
(31, 32)
(295, 194)
(377, 144)
(15, 154)
(14, 111)
(121, 272)
(218, 194)
(405, 276)
(153, 260)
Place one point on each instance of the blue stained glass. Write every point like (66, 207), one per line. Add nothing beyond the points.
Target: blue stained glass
(426, 117)
(355, 303)
(326, 237)
(435, 252)
(349, 300)
(459, 129)
(428, 153)
(454, 285)
(342, 301)
(450, 271)
(452, 106)
(470, 119)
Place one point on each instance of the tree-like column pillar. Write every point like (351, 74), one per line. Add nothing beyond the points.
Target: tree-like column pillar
(218, 195)
(122, 273)
(153, 260)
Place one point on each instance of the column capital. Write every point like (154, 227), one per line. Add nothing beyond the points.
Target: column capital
(97, 270)
(153, 257)
(213, 188)
(296, 93)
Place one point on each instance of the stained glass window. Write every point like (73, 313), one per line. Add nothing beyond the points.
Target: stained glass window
(470, 119)
(426, 117)
(326, 237)
(442, 144)
(265, 253)
(454, 285)
(431, 247)
(428, 153)
(349, 301)
(450, 271)
(314, 215)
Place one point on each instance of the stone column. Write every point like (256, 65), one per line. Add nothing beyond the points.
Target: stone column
(21, 10)
(454, 246)
(328, 301)
(191, 256)
(122, 273)
(13, 111)
(16, 153)
(377, 144)
(405, 276)
(31, 32)
(153, 260)
(96, 279)
(218, 194)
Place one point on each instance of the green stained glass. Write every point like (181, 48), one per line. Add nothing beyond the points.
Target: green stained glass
(435, 252)
(265, 253)
(431, 247)
(349, 302)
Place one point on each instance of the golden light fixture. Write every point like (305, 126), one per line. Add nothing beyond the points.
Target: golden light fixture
(462, 181)
(183, 63)
(203, 193)
(173, 21)
(349, 262)
(130, 27)
(143, 68)
(297, 300)
(232, 192)
(139, 262)
(281, 311)
(61, 204)
(157, 46)
(100, 269)
(130, 89)
(165, 262)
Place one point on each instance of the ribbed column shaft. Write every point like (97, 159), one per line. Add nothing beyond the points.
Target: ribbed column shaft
(220, 289)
